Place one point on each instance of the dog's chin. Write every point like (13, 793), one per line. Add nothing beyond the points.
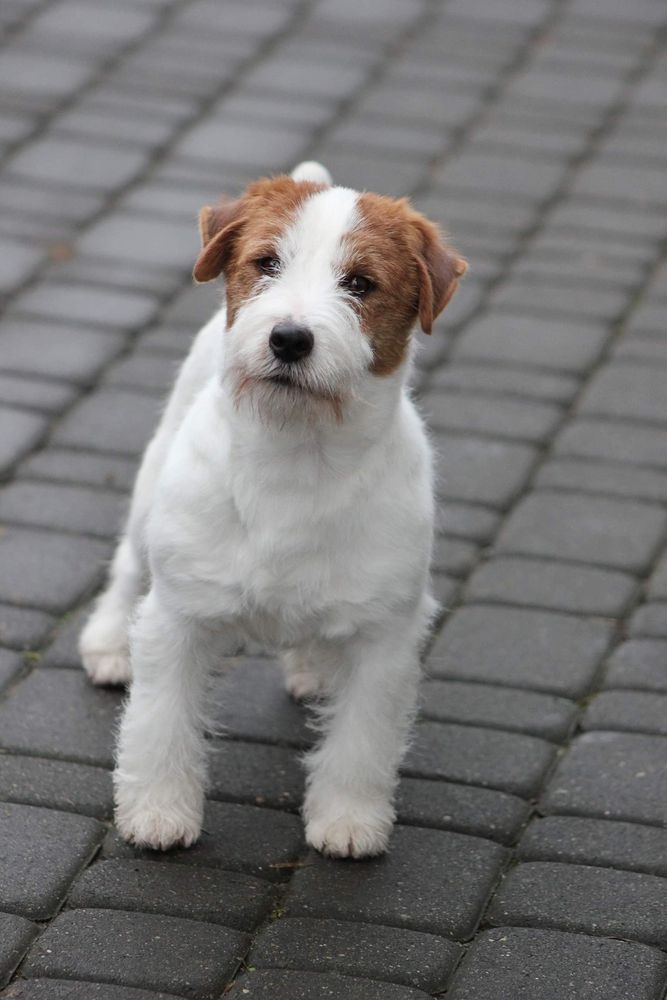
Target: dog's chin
(282, 398)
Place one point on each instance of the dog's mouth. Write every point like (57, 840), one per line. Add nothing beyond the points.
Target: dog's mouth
(283, 380)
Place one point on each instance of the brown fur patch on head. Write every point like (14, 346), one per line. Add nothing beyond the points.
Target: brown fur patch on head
(235, 234)
(413, 270)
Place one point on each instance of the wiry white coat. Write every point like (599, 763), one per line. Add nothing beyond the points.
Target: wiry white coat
(258, 518)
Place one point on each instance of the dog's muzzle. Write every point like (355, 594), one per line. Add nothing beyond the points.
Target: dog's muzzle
(291, 342)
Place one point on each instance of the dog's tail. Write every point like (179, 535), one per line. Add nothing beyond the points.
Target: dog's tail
(311, 170)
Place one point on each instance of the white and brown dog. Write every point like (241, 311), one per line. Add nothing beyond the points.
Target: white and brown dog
(286, 498)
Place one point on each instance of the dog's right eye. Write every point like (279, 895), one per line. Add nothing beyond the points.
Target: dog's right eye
(268, 265)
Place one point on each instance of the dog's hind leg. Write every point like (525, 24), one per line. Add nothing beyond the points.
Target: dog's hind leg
(306, 676)
(103, 644)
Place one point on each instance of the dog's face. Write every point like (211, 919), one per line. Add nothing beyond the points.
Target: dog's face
(324, 286)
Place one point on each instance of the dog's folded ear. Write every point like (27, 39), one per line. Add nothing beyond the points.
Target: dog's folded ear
(218, 226)
(440, 268)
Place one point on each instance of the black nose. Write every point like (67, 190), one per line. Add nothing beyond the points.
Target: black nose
(290, 341)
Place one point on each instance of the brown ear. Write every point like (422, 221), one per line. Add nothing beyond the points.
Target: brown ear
(440, 268)
(218, 226)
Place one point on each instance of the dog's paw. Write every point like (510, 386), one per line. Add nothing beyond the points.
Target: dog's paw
(104, 651)
(107, 668)
(345, 828)
(156, 822)
(304, 685)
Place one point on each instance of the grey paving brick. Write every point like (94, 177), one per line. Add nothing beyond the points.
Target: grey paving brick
(650, 620)
(498, 417)
(72, 22)
(149, 242)
(521, 648)
(510, 762)
(416, 104)
(636, 347)
(42, 852)
(633, 711)
(85, 468)
(521, 177)
(445, 590)
(483, 471)
(609, 217)
(23, 628)
(275, 984)
(579, 301)
(453, 555)
(10, 665)
(389, 175)
(600, 530)
(553, 585)
(262, 842)
(640, 664)
(17, 263)
(649, 317)
(149, 372)
(44, 349)
(584, 899)
(36, 394)
(110, 420)
(78, 164)
(505, 381)
(257, 774)
(63, 649)
(364, 133)
(56, 784)
(366, 950)
(192, 958)
(632, 183)
(571, 87)
(67, 508)
(535, 964)
(627, 390)
(481, 812)
(68, 989)
(21, 431)
(38, 75)
(612, 776)
(58, 713)
(251, 703)
(614, 441)
(242, 143)
(399, 890)
(465, 520)
(47, 570)
(89, 306)
(207, 894)
(596, 842)
(16, 934)
(604, 478)
(485, 705)
(657, 588)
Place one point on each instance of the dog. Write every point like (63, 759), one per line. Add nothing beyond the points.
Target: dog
(285, 499)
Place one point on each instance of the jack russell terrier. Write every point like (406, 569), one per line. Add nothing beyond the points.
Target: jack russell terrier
(286, 498)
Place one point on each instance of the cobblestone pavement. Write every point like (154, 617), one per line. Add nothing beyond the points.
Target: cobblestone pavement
(530, 861)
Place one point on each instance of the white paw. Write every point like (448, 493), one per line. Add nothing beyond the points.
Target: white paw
(348, 828)
(104, 649)
(107, 668)
(304, 685)
(158, 821)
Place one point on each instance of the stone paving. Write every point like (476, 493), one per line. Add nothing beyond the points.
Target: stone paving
(530, 859)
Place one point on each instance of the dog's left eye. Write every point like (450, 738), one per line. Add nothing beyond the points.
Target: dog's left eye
(357, 284)
(269, 265)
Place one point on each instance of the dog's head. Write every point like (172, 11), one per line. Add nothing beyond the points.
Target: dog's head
(324, 286)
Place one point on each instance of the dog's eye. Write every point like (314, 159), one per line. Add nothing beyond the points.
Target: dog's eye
(357, 284)
(269, 265)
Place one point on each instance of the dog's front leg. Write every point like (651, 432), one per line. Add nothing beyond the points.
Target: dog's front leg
(348, 808)
(161, 758)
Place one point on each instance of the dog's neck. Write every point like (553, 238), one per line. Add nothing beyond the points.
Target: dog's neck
(318, 448)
